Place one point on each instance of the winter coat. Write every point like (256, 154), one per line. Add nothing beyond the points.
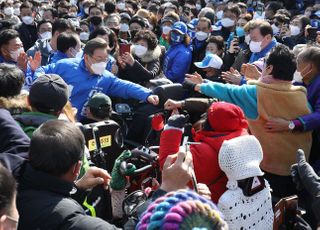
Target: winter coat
(144, 69)
(205, 156)
(44, 202)
(177, 62)
(28, 35)
(42, 46)
(83, 85)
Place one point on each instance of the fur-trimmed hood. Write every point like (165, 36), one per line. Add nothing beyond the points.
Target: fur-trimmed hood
(150, 56)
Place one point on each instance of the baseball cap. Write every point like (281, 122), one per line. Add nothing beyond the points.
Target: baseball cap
(210, 60)
(100, 106)
(180, 27)
(48, 93)
(99, 100)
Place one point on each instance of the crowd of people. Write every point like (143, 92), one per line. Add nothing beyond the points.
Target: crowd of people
(250, 75)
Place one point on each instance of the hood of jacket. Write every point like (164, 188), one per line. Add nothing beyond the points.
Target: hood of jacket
(151, 55)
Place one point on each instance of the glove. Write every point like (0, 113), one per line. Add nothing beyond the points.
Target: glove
(177, 121)
(118, 180)
(188, 85)
(309, 179)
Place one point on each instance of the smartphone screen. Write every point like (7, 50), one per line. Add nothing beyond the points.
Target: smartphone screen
(124, 48)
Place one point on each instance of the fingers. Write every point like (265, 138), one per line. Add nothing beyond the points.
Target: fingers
(180, 158)
(168, 161)
(301, 158)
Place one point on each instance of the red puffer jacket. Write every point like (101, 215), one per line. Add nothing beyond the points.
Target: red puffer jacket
(205, 156)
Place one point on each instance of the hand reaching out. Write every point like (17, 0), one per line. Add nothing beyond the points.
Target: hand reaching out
(233, 76)
(22, 61)
(36, 61)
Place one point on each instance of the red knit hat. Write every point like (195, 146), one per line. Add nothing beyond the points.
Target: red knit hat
(225, 117)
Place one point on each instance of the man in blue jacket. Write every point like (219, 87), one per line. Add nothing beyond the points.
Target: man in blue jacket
(88, 76)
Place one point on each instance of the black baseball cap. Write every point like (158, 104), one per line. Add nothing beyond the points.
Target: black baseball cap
(49, 93)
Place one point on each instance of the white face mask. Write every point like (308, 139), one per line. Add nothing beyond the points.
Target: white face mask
(275, 29)
(140, 50)
(297, 77)
(219, 14)
(98, 68)
(255, 47)
(227, 22)
(84, 36)
(247, 39)
(166, 29)
(15, 54)
(86, 11)
(295, 30)
(46, 35)
(28, 20)
(201, 36)
(16, 11)
(121, 6)
(8, 11)
(198, 7)
(124, 27)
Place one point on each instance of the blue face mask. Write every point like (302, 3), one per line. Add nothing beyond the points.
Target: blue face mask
(176, 38)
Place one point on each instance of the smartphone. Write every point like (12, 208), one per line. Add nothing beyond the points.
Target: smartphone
(312, 33)
(124, 48)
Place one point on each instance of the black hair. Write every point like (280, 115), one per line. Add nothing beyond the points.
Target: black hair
(104, 31)
(55, 147)
(110, 7)
(263, 26)
(66, 41)
(218, 40)
(274, 6)
(149, 36)
(6, 36)
(62, 25)
(93, 44)
(11, 80)
(283, 62)
(53, 11)
(235, 9)
(26, 4)
(8, 187)
(41, 23)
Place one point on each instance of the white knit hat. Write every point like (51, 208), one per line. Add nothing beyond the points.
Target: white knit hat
(240, 158)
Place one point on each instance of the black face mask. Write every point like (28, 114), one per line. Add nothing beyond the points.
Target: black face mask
(96, 20)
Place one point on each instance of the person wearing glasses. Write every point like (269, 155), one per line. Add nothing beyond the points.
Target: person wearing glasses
(88, 75)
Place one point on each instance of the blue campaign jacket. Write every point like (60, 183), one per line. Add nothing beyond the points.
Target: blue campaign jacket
(83, 85)
(57, 56)
(177, 62)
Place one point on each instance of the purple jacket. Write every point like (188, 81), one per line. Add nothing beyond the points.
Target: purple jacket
(312, 121)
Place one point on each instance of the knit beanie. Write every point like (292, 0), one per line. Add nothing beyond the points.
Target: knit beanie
(240, 158)
(181, 210)
(226, 117)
